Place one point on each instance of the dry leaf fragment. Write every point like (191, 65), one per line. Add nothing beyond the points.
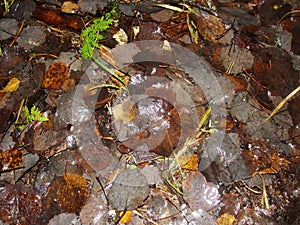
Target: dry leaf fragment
(121, 37)
(11, 159)
(225, 219)
(12, 85)
(69, 7)
(126, 218)
(189, 162)
(210, 27)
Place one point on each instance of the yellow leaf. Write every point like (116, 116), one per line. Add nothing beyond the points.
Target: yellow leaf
(225, 219)
(127, 217)
(189, 162)
(12, 85)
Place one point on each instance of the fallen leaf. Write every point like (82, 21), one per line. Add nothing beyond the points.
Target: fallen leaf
(68, 84)
(56, 75)
(225, 219)
(162, 16)
(57, 18)
(73, 193)
(126, 218)
(128, 191)
(19, 205)
(210, 27)
(11, 159)
(125, 111)
(121, 37)
(69, 7)
(199, 193)
(189, 162)
(12, 85)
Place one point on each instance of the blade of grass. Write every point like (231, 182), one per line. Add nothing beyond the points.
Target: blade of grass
(174, 8)
(279, 106)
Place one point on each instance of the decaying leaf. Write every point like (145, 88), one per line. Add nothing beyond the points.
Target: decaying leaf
(199, 193)
(65, 194)
(11, 159)
(210, 27)
(56, 75)
(73, 193)
(12, 85)
(189, 162)
(225, 219)
(69, 7)
(121, 37)
(128, 191)
(277, 163)
(124, 112)
(19, 205)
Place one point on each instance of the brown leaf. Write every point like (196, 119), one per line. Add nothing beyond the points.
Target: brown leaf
(73, 193)
(53, 17)
(273, 69)
(210, 27)
(19, 205)
(11, 159)
(172, 135)
(56, 75)
(65, 194)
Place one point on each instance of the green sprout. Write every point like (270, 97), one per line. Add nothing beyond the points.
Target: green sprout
(34, 114)
(8, 4)
(92, 34)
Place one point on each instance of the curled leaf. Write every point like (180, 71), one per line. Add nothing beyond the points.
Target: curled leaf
(12, 85)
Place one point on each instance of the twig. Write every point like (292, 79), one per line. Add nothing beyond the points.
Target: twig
(18, 34)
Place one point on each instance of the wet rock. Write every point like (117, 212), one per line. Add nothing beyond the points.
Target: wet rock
(32, 37)
(128, 191)
(8, 28)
